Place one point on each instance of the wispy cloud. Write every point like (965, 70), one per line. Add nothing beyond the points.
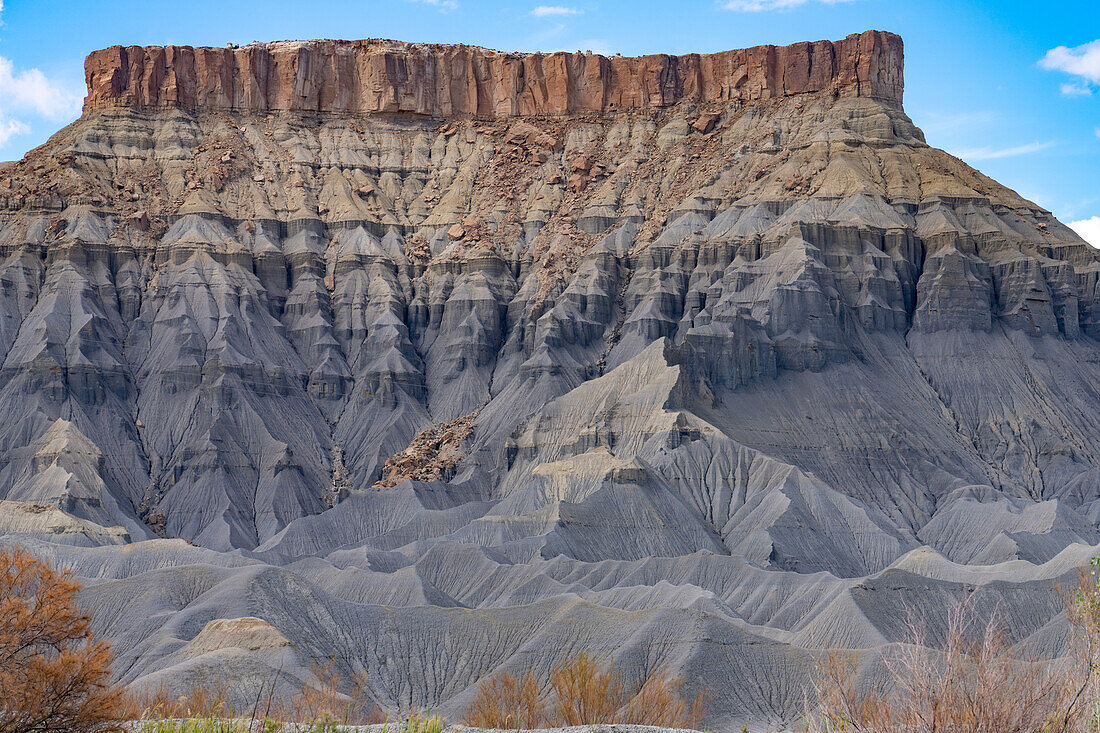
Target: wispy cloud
(554, 11)
(988, 153)
(442, 6)
(1097, 131)
(945, 122)
(1089, 229)
(761, 6)
(1076, 90)
(1082, 62)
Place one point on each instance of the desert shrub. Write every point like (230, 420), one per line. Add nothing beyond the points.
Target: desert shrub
(841, 703)
(585, 691)
(507, 702)
(54, 675)
(334, 700)
(976, 683)
(661, 702)
(1083, 610)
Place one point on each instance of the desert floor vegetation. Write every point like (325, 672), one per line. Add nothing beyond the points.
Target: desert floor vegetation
(976, 681)
(583, 691)
(332, 704)
(55, 676)
(416, 723)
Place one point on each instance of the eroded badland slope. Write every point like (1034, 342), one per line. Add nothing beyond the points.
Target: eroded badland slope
(443, 361)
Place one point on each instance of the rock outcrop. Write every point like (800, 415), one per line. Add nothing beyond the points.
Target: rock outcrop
(381, 76)
(708, 363)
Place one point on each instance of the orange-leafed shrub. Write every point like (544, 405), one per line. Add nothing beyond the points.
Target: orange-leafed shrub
(334, 699)
(583, 691)
(507, 702)
(586, 692)
(54, 675)
(661, 702)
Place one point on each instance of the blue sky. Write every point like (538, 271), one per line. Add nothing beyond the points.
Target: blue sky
(1013, 88)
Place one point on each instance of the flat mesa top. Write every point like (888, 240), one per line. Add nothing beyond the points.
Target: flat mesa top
(384, 76)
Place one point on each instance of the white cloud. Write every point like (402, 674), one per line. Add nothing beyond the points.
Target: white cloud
(1089, 229)
(1076, 90)
(9, 128)
(1082, 61)
(758, 6)
(30, 92)
(442, 6)
(987, 153)
(1097, 131)
(548, 11)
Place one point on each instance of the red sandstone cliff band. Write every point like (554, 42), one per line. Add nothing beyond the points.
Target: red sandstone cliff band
(379, 76)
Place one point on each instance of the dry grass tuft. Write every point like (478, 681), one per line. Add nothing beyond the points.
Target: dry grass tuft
(158, 703)
(205, 725)
(424, 723)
